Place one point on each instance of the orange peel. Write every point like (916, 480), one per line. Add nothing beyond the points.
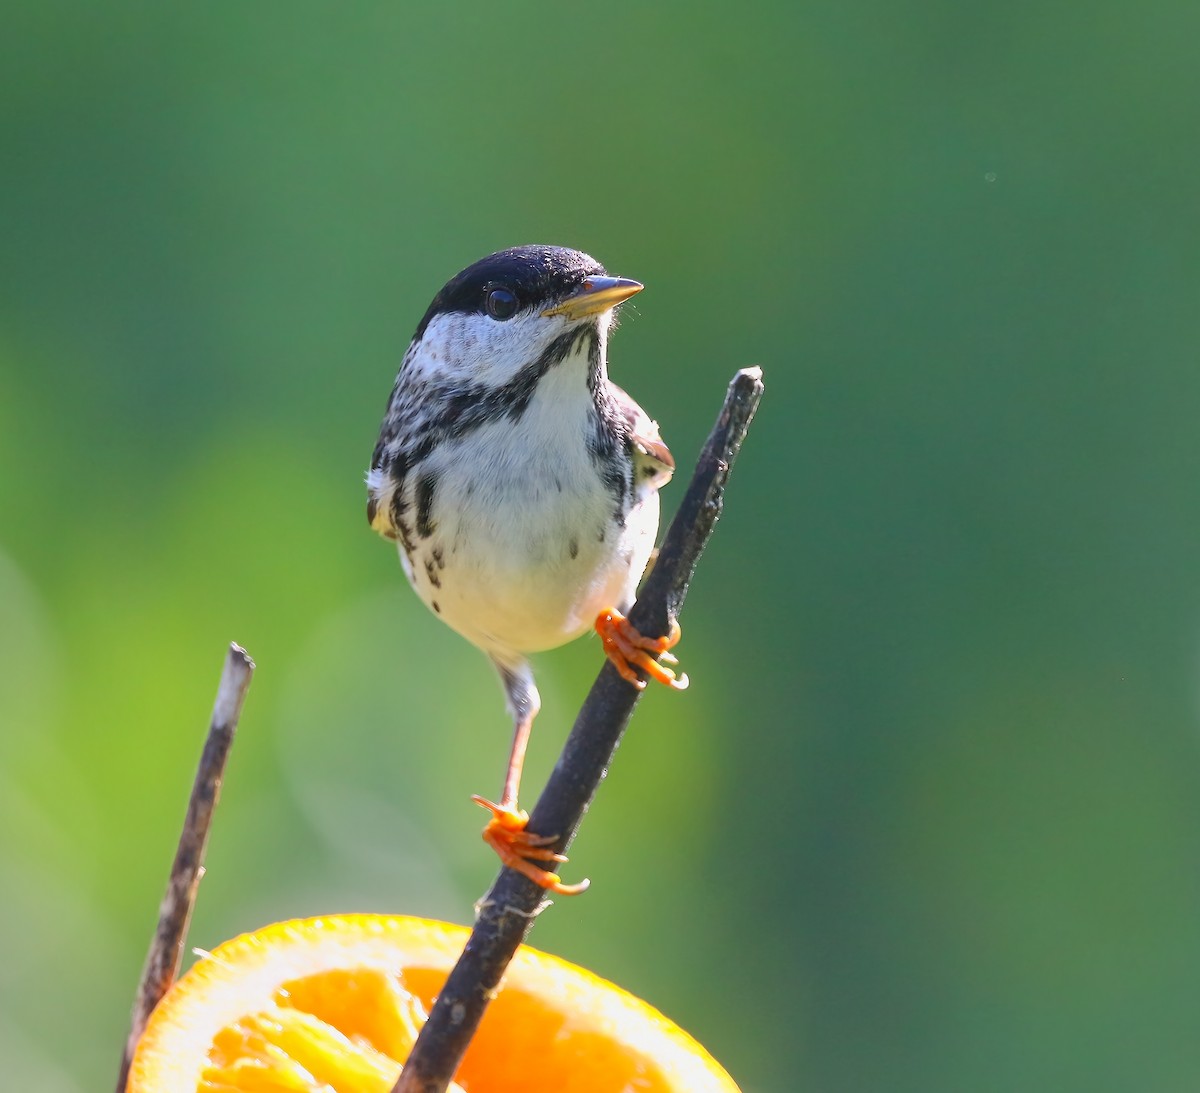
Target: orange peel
(335, 1003)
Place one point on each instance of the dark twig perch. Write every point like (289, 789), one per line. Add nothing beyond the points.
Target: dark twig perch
(507, 913)
(166, 948)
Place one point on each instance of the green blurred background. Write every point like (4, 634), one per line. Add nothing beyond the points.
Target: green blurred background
(929, 817)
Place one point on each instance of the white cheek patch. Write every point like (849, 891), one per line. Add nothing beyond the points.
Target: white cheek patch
(478, 349)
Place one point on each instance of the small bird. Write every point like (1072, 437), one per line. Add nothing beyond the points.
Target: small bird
(521, 487)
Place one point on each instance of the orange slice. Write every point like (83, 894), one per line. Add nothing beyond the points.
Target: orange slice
(333, 1005)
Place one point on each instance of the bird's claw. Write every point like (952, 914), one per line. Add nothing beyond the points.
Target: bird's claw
(506, 834)
(629, 650)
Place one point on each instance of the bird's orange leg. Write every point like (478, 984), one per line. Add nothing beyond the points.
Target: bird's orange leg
(505, 833)
(629, 650)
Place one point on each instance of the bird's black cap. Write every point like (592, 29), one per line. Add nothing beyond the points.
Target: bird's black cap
(535, 274)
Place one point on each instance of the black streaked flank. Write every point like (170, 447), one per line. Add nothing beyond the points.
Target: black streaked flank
(426, 485)
(615, 477)
(399, 508)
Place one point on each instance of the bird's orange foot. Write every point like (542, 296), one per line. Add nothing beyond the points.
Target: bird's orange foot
(629, 650)
(505, 833)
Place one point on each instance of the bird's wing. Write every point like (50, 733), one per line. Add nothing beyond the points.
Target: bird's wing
(651, 457)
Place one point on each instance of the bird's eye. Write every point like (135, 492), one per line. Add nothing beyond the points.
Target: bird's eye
(501, 304)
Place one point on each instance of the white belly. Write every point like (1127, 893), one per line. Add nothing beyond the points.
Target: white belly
(525, 549)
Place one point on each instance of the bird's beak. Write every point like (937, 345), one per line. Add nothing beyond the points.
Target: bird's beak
(595, 295)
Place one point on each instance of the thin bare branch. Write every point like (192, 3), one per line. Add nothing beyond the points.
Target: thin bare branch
(166, 948)
(507, 912)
